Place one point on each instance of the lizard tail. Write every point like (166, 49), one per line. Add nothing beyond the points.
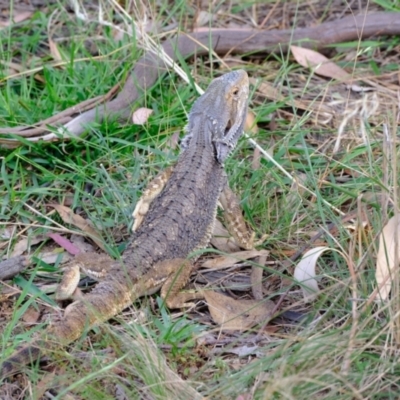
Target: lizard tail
(107, 300)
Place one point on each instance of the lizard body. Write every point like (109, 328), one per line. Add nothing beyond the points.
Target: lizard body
(174, 222)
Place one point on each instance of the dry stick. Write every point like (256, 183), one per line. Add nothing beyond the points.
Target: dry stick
(63, 115)
(150, 67)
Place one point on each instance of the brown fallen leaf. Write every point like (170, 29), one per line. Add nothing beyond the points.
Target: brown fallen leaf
(69, 217)
(7, 291)
(250, 124)
(256, 161)
(17, 17)
(31, 316)
(256, 278)
(319, 63)
(173, 141)
(232, 259)
(141, 115)
(54, 51)
(25, 243)
(240, 315)
(43, 385)
(387, 260)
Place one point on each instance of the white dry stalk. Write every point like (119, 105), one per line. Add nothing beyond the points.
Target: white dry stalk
(364, 108)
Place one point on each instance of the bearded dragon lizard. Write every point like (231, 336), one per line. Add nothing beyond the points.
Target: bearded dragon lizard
(174, 218)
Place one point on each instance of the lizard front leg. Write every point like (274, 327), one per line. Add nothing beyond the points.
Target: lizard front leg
(95, 265)
(179, 271)
(243, 235)
(153, 189)
(236, 224)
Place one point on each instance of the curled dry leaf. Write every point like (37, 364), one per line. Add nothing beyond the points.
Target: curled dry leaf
(319, 63)
(25, 243)
(387, 259)
(141, 115)
(69, 217)
(228, 261)
(305, 273)
(239, 315)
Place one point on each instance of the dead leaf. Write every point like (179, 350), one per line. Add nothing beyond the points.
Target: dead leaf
(232, 259)
(305, 272)
(173, 141)
(387, 257)
(240, 315)
(8, 291)
(256, 161)
(17, 17)
(256, 278)
(82, 244)
(69, 217)
(222, 240)
(55, 53)
(31, 316)
(250, 124)
(319, 63)
(25, 243)
(204, 18)
(64, 243)
(44, 385)
(141, 115)
(53, 257)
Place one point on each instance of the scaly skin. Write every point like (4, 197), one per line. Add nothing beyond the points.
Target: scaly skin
(179, 221)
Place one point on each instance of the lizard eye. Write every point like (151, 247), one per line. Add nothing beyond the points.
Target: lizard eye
(235, 91)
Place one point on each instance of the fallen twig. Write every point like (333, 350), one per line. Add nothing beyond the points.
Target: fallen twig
(149, 68)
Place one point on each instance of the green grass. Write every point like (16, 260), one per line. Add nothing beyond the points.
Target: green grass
(337, 352)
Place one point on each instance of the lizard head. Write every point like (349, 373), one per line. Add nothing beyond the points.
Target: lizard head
(222, 110)
(229, 113)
